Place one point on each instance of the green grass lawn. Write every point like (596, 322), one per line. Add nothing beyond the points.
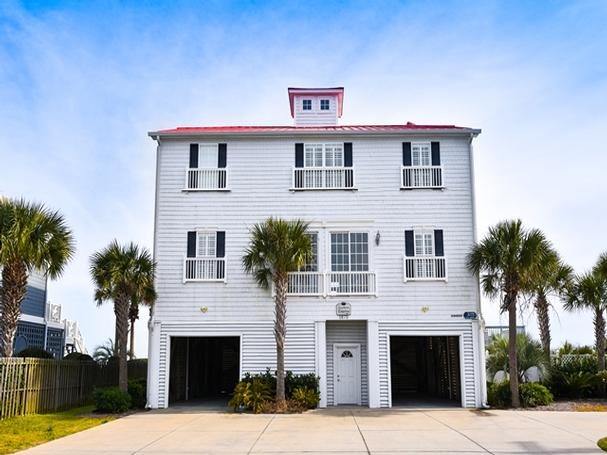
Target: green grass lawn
(602, 443)
(19, 433)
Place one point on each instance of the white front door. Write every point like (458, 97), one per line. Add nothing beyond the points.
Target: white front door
(346, 359)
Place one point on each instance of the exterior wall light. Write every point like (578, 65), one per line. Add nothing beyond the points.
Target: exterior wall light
(377, 238)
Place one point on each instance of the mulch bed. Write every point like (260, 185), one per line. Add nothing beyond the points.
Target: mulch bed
(574, 405)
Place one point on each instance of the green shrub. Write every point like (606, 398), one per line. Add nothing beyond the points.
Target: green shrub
(79, 356)
(251, 394)
(498, 394)
(534, 394)
(573, 377)
(308, 398)
(37, 353)
(137, 392)
(299, 381)
(111, 399)
(292, 381)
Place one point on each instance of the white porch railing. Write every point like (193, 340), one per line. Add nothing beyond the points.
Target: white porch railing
(206, 179)
(204, 269)
(351, 283)
(305, 283)
(323, 178)
(425, 268)
(422, 177)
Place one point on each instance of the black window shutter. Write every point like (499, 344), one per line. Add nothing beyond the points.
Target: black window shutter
(222, 158)
(435, 147)
(406, 153)
(221, 244)
(299, 155)
(193, 156)
(348, 154)
(409, 244)
(438, 243)
(191, 244)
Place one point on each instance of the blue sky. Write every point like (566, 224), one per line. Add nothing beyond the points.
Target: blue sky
(82, 82)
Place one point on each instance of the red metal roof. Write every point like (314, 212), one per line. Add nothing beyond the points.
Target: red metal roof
(293, 129)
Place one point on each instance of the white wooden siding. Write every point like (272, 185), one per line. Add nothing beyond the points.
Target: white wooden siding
(261, 178)
(468, 366)
(344, 332)
(258, 348)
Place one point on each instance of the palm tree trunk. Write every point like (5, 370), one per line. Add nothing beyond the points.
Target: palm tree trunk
(599, 333)
(121, 310)
(132, 340)
(12, 293)
(543, 320)
(280, 331)
(510, 301)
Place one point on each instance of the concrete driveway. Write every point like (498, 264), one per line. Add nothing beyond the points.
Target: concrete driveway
(361, 431)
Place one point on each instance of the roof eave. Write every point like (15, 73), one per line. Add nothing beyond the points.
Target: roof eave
(313, 132)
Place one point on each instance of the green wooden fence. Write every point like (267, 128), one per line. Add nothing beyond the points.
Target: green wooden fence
(33, 386)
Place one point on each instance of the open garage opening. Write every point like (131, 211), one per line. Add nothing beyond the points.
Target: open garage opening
(425, 371)
(203, 370)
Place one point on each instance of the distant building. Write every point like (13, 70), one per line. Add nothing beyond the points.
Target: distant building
(41, 325)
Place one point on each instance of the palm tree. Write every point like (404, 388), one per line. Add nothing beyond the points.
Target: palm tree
(104, 352)
(121, 273)
(590, 292)
(505, 257)
(552, 278)
(529, 353)
(136, 301)
(31, 237)
(277, 247)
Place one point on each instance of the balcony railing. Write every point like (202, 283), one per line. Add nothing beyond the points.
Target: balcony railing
(425, 268)
(206, 179)
(323, 178)
(351, 283)
(204, 269)
(305, 283)
(422, 177)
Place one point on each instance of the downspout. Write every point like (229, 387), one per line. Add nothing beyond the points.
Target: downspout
(481, 321)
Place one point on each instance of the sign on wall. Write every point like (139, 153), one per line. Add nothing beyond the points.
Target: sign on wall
(343, 310)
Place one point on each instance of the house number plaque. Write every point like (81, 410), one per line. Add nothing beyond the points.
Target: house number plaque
(343, 309)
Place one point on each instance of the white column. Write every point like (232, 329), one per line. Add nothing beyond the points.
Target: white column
(373, 362)
(153, 364)
(320, 329)
(478, 331)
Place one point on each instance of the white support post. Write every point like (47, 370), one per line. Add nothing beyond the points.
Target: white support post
(373, 363)
(153, 364)
(320, 329)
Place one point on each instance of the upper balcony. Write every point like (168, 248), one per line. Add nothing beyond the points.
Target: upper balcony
(206, 179)
(425, 268)
(204, 269)
(332, 284)
(422, 177)
(323, 178)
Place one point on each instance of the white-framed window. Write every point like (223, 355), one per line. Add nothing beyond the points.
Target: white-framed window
(349, 252)
(424, 243)
(421, 154)
(325, 105)
(206, 244)
(207, 156)
(306, 105)
(323, 155)
(311, 262)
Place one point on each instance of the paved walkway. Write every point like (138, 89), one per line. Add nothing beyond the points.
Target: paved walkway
(340, 431)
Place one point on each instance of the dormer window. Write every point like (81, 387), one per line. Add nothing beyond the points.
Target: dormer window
(307, 105)
(324, 105)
